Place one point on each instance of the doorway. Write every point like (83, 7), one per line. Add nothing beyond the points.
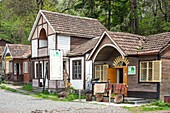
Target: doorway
(119, 75)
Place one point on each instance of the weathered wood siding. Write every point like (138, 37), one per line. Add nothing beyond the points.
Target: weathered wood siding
(63, 43)
(51, 43)
(76, 41)
(165, 83)
(136, 88)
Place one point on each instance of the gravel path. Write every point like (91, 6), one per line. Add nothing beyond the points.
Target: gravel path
(17, 103)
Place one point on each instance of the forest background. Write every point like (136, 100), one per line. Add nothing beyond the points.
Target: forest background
(143, 17)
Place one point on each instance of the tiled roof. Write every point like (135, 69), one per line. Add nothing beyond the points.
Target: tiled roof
(19, 50)
(74, 25)
(82, 49)
(129, 43)
(155, 43)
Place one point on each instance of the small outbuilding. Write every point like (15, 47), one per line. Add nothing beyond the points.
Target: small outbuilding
(16, 59)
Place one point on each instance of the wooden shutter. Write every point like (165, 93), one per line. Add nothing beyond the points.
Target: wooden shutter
(112, 75)
(125, 79)
(157, 71)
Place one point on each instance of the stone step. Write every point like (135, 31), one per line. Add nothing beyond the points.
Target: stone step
(138, 100)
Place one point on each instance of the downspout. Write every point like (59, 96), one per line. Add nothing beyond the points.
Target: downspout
(158, 83)
(92, 78)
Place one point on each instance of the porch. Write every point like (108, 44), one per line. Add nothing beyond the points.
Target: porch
(14, 78)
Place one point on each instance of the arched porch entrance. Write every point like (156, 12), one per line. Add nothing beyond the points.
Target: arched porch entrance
(110, 65)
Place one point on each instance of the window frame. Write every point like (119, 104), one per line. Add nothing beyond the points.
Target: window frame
(25, 67)
(78, 68)
(102, 72)
(153, 80)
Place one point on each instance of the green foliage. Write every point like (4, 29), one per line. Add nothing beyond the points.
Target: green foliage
(27, 87)
(156, 105)
(17, 16)
(7, 88)
(71, 97)
(160, 103)
(47, 95)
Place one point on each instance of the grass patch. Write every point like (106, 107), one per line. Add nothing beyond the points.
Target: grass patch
(154, 106)
(7, 88)
(71, 97)
(27, 87)
(47, 95)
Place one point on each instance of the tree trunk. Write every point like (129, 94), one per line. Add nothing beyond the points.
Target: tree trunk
(133, 17)
(109, 14)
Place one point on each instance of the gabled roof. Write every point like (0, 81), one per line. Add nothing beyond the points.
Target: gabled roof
(129, 43)
(84, 48)
(19, 50)
(71, 25)
(155, 43)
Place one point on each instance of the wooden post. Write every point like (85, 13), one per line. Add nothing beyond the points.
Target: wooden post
(79, 95)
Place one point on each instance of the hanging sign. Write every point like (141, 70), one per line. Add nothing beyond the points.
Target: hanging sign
(131, 70)
(56, 65)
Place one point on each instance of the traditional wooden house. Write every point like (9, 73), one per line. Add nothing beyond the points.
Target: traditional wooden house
(17, 62)
(2, 45)
(142, 63)
(56, 31)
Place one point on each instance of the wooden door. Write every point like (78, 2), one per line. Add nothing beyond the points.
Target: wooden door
(125, 79)
(112, 75)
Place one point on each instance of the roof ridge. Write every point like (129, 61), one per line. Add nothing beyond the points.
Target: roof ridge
(69, 15)
(126, 33)
(157, 34)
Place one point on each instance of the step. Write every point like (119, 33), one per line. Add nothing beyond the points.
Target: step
(138, 100)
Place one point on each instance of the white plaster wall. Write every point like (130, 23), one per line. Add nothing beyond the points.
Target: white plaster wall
(51, 43)
(34, 48)
(77, 84)
(88, 73)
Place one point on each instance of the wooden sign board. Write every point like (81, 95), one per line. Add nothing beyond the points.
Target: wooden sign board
(52, 84)
(35, 83)
(99, 88)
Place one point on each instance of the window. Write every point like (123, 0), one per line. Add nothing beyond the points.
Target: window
(77, 69)
(25, 67)
(150, 71)
(10, 67)
(101, 72)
